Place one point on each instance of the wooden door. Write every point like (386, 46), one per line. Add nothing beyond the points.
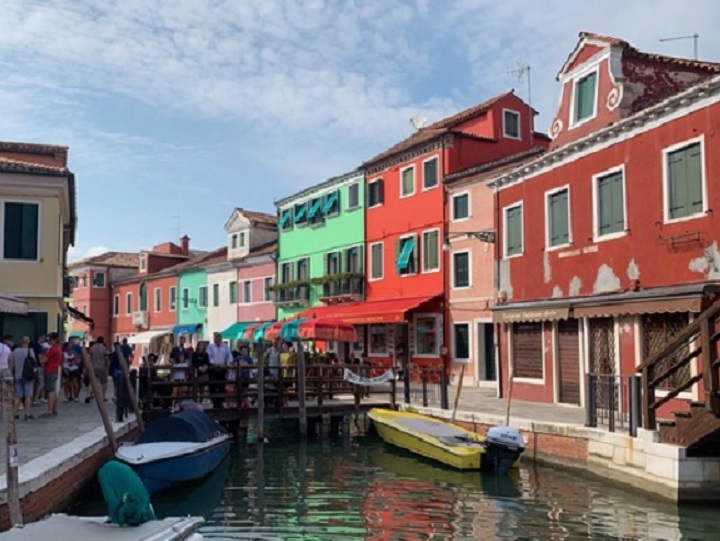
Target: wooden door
(568, 362)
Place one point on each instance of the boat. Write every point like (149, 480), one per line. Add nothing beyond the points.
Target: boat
(185, 446)
(447, 443)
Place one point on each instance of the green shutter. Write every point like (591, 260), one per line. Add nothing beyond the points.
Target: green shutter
(408, 181)
(618, 204)
(514, 230)
(20, 239)
(430, 173)
(585, 97)
(694, 178)
(559, 221)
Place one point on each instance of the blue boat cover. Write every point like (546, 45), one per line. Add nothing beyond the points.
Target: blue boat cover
(186, 329)
(186, 426)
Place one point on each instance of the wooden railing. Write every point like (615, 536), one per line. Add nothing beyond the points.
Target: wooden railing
(699, 340)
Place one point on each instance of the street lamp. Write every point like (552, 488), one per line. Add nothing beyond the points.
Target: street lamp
(487, 236)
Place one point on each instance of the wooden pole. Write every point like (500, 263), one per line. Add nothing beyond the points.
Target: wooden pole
(511, 377)
(97, 391)
(302, 412)
(457, 393)
(12, 462)
(261, 391)
(131, 390)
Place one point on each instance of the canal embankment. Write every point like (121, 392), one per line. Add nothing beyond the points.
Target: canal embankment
(57, 457)
(557, 435)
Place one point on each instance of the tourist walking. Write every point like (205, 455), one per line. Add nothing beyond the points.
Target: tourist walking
(5, 362)
(201, 365)
(71, 374)
(40, 347)
(99, 359)
(25, 368)
(51, 369)
(220, 358)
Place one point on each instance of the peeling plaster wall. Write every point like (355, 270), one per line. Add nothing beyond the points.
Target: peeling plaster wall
(708, 263)
(606, 280)
(505, 278)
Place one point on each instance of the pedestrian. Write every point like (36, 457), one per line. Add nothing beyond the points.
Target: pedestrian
(114, 368)
(201, 365)
(99, 359)
(40, 347)
(71, 374)
(5, 362)
(287, 362)
(220, 358)
(244, 363)
(51, 368)
(25, 367)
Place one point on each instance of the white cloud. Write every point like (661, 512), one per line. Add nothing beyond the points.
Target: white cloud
(76, 253)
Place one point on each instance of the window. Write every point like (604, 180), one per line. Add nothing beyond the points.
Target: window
(332, 263)
(460, 207)
(331, 207)
(315, 211)
(234, 243)
(143, 262)
(354, 196)
(610, 204)
(376, 261)
(173, 298)
(21, 231)
(407, 181)
(242, 240)
(461, 341)
(84, 309)
(128, 303)
(143, 297)
(202, 297)
(216, 295)
(461, 270)
(185, 298)
(116, 305)
(378, 340)
(268, 292)
(406, 251)
(431, 250)
(158, 299)
(527, 350)
(430, 173)
(98, 279)
(426, 336)
(286, 220)
(584, 99)
(303, 270)
(247, 291)
(286, 273)
(684, 181)
(375, 193)
(511, 124)
(301, 212)
(513, 231)
(353, 260)
(233, 292)
(558, 218)
(359, 346)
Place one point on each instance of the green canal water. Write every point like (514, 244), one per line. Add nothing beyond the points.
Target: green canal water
(361, 489)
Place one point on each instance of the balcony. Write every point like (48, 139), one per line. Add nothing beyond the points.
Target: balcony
(292, 294)
(340, 288)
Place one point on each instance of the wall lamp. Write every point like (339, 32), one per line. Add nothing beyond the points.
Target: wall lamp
(487, 236)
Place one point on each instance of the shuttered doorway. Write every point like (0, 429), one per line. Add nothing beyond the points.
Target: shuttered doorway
(527, 350)
(568, 362)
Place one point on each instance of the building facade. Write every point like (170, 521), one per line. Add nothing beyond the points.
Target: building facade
(38, 220)
(608, 243)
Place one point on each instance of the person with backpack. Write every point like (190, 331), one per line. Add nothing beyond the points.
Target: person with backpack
(26, 370)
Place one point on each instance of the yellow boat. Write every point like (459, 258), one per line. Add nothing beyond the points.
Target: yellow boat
(448, 443)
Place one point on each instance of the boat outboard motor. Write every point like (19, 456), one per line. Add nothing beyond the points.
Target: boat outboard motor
(503, 446)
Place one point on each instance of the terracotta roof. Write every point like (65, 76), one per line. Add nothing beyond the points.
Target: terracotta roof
(258, 217)
(110, 259)
(204, 260)
(31, 147)
(497, 167)
(9, 165)
(438, 128)
(264, 249)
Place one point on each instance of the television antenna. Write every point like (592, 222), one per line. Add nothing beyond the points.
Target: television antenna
(694, 37)
(178, 222)
(520, 72)
(418, 121)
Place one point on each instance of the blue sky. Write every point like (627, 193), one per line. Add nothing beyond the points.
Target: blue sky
(192, 107)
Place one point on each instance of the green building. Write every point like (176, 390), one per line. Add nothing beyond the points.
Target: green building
(194, 295)
(321, 236)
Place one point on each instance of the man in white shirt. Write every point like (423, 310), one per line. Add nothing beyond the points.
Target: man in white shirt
(5, 353)
(220, 357)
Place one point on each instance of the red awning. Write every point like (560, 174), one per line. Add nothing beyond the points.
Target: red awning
(389, 311)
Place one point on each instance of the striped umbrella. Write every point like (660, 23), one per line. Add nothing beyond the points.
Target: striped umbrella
(249, 332)
(259, 332)
(327, 330)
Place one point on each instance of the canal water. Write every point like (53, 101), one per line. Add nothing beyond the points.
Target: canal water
(361, 489)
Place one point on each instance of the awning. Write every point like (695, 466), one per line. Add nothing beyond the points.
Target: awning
(234, 331)
(388, 311)
(315, 208)
(76, 334)
(683, 305)
(300, 213)
(77, 314)
(284, 218)
(528, 315)
(147, 336)
(13, 305)
(186, 329)
(331, 200)
(404, 258)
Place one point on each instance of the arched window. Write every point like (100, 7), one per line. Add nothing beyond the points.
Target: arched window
(143, 297)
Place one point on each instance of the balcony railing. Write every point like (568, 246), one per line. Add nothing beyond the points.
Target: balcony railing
(295, 294)
(340, 289)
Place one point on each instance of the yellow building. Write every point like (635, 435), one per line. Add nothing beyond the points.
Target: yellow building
(37, 226)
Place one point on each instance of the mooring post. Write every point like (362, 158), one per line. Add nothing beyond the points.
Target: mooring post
(13, 458)
(635, 405)
(131, 390)
(98, 392)
(261, 390)
(406, 382)
(444, 397)
(590, 392)
(302, 412)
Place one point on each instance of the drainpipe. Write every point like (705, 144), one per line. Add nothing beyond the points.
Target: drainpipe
(496, 289)
(446, 289)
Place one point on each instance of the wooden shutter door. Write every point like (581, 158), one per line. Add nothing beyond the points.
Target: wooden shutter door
(527, 350)
(568, 362)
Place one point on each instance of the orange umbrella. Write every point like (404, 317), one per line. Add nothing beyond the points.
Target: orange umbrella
(327, 329)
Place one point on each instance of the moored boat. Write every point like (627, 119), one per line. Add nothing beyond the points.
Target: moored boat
(185, 446)
(448, 443)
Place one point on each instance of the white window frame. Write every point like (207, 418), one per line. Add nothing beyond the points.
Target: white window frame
(383, 353)
(575, 80)
(39, 204)
(157, 300)
(414, 190)
(143, 262)
(374, 181)
(435, 157)
(421, 255)
(234, 241)
(104, 274)
(184, 306)
(128, 303)
(438, 346)
(452, 270)
(382, 261)
(548, 195)
(519, 124)
(455, 358)
(247, 299)
(241, 239)
(452, 206)
(666, 178)
(418, 240)
(207, 299)
(596, 204)
(173, 298)
(505, 210)
(356, 184)
(116, 305)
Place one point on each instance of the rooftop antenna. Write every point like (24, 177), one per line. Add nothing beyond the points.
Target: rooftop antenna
(178, 222)
(418, 121)
(694, 37)
(520, 72)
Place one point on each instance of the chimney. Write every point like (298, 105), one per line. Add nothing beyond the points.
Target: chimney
(185, 244)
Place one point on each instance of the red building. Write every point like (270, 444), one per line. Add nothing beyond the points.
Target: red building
(607, 244)
(406, 222)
